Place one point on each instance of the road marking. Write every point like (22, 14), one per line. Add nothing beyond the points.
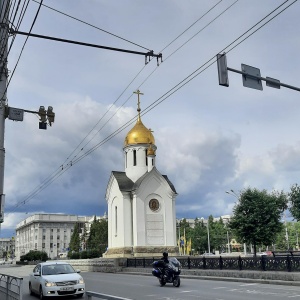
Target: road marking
(219, 287)
(248, 284)
(294, 296)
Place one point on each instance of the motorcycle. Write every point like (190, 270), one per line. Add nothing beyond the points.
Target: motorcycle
(171, 273)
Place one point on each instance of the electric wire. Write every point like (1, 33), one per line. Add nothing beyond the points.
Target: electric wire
(22, 14)
(191, 26)
(165, 96)
(182, 83)
(22, 49)
(217, 17)
(138, 87)
(86, 23)
(64, 167)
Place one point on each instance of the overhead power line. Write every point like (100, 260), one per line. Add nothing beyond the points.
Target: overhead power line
(34, 20)
(165, 96)
(86, 23)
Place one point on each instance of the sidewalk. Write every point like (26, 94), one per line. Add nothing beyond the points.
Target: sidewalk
(16, 270)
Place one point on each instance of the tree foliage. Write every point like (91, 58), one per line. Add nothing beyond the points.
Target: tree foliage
(98, 239)
(75, 239)
(34, 255)
(257, 216)
(294, 198)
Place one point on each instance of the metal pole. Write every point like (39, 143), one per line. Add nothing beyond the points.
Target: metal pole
(228, 242)
(264, 79)
(4, 8)
(208, 240)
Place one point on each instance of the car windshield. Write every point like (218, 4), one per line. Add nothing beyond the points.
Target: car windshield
(57, 269)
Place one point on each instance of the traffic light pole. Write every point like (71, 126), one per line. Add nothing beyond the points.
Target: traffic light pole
(251, 76)
(4, 11)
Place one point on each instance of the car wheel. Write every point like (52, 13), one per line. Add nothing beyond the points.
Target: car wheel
(41, 293)
(30, 289)
(79, 295)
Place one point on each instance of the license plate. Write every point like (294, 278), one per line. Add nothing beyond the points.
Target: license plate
(68, 288)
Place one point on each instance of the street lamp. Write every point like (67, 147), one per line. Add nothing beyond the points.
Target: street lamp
(208, 240)
(233, 193)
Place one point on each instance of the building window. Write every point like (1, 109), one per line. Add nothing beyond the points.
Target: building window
(146, 157)
(35, 246)
(58, 230)
(51, 245)
(43, 245)
(44, 237)
(51, 230)
(57, 245)
(51, 237)
(35, 237)
(116, 221)
(134, 157)
(58, 237)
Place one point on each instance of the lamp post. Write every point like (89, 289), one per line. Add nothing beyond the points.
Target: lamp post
(208, 239)
(233, 193)
(228, 244)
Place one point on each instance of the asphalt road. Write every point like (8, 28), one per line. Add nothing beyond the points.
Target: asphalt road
(147, 288)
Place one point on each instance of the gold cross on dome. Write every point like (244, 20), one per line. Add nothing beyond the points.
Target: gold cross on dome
(138, 93)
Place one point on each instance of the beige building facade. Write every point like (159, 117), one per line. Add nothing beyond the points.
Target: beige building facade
(50, 233)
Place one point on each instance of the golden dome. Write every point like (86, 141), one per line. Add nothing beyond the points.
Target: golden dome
(139, 134)
(151, 151)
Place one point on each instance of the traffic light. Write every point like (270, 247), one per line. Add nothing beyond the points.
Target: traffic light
(50, 115)
(42, 114)
(222, 69)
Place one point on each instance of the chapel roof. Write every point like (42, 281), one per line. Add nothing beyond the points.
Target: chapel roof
(127, 185)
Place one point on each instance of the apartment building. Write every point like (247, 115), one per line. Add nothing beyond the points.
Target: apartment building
(7, 248)
(47, 232)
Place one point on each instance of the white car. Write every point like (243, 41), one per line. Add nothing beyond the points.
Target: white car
(56, 278)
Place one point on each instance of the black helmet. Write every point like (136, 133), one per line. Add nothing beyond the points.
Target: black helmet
(165, 254)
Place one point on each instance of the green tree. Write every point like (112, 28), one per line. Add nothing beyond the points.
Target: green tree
(218, 235)
(75, 239)
(199, 236)
(98, 238)
(34, 255)
(294, 198)
(256, 216)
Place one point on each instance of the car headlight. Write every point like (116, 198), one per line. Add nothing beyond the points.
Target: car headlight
(81, 281)
(49, 283)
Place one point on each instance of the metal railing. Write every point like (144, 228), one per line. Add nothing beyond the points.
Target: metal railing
(10, 287)
(287, 263)
(90, 294)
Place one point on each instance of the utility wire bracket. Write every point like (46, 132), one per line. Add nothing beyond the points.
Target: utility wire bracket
(147, 55)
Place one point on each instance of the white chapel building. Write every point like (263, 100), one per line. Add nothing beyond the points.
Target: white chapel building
(141, 201)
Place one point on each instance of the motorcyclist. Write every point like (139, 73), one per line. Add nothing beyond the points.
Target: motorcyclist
(165, 259)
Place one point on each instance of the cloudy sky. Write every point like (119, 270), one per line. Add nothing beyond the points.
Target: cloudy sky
(210, 138)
